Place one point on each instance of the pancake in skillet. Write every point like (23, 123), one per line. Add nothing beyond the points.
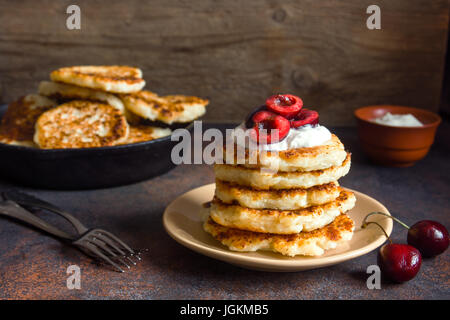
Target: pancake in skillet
(287, 199)
(312, 243)
(260, 179)
(117, 79)
(80, 124)
(280, 221)
(330, 154)
(184, 108)
(65, 92)
(25, 143)
(141, 133)
(17, 124)
(167, 109)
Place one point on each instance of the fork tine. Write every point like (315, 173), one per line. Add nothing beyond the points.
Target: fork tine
(109, 242)
(97, 252)
(116, 239)
(105, 248)
(131, 260)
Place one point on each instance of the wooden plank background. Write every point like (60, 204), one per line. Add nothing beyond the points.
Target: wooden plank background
(238, 52)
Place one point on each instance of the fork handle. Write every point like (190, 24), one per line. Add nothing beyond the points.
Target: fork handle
(27, 200)
(11, 209)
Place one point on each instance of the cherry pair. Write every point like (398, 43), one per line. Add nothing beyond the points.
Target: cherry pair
(401, 262)
(273, 121)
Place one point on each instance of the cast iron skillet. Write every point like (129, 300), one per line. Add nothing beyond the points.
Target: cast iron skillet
(86, 168)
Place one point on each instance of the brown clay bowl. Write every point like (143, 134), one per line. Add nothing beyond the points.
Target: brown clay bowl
(396, 146)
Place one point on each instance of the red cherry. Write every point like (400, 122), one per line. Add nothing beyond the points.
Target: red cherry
(269, 127)
(399, 262)
(305, 116)
(249, 119)
(430, 237)
(263, 115)
(286, 105)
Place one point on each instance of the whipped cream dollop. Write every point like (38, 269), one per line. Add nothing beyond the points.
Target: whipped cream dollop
(398, 120)
(302, 137)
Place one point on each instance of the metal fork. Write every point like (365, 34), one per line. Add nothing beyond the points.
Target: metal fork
(97, 243)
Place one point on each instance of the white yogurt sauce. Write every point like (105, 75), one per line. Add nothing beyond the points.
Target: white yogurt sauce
(398, 120)
(302, 137)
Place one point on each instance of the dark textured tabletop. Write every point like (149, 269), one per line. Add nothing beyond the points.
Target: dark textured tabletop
(34, 266)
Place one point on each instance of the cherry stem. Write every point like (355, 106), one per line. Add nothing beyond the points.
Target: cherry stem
(386, 215)
(365, 224)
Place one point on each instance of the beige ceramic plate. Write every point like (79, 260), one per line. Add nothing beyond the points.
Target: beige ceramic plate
(183, 221)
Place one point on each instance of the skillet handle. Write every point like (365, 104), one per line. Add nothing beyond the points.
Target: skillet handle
(13, 210)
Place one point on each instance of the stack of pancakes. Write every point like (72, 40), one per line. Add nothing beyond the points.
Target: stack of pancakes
(94, 106)
(298, 209)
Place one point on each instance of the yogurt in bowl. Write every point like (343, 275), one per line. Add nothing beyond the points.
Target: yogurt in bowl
(395, 141)
(398, 120)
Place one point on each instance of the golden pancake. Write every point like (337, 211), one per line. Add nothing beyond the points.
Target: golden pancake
(312, 243)
(183, 108)
(143, 133)
(66, 92)
(17, 124)
(80, 124)
(117, 79)
(25, 143)
(280, 221)
(287, 199)
(264, 179)
(168, 109)
(330, 154)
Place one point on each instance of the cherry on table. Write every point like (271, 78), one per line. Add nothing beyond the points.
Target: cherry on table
(399, 262)
(430, 237)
